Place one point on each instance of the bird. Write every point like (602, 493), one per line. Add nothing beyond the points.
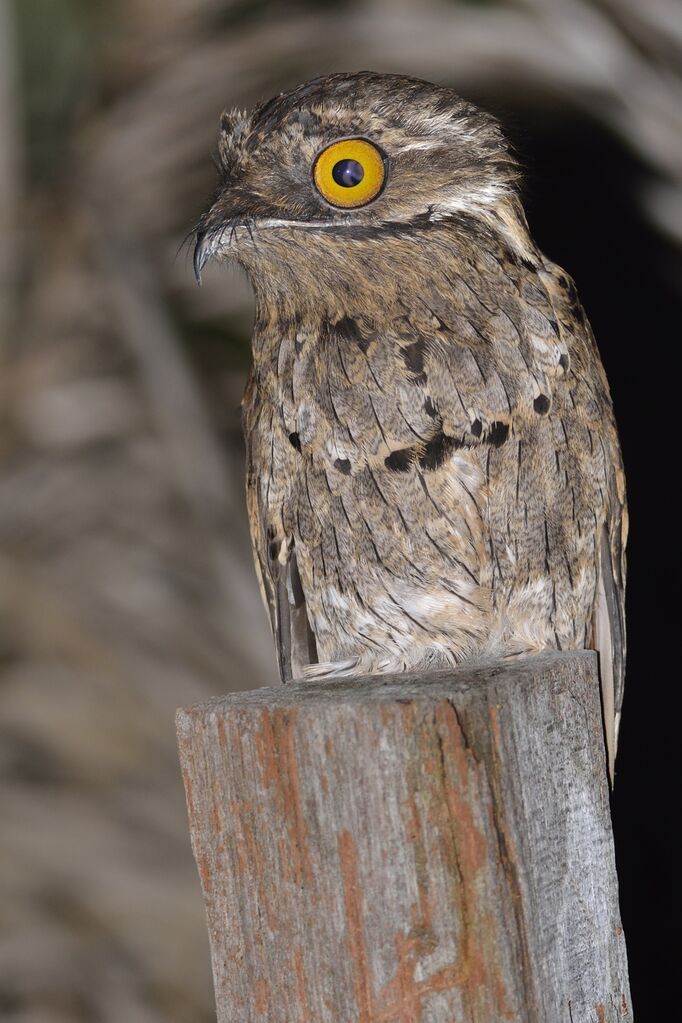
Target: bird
(433, 469)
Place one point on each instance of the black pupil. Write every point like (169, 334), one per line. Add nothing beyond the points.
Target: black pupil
(348, 173)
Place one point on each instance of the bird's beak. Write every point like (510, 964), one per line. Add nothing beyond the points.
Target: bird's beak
(202, 253)
(217, 226)
(222, 226)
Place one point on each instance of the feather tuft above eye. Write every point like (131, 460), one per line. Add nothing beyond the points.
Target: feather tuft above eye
(234, 127)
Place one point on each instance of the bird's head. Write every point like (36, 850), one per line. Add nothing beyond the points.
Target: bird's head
(342, 167)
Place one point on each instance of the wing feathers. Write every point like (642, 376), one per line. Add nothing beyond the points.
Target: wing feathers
(609, 641)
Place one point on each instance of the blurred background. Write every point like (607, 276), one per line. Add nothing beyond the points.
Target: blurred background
(126, 583)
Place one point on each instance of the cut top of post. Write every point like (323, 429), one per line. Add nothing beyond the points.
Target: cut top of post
(551, 666)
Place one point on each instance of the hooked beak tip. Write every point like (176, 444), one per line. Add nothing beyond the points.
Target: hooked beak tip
(201, 255)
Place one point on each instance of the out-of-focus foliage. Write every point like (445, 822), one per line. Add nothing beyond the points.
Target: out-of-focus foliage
(126, 585)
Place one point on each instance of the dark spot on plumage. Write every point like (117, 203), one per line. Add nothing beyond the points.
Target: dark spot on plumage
(578, 312)
(413, 356)
(437, 451)
(563, 283)
(497, 434)
(295, 441)
(273, 543)
(440, 323)
(477, 427)
(555, 326)
(541, 404)
(347, 330)
(399, 461)
(509, 256)
(564, 362)
(528, 265)
(430, 408)
(343, 465)
(574, 303)
(228, 121)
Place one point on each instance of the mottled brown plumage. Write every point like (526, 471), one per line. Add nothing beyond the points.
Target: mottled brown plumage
(433, 465)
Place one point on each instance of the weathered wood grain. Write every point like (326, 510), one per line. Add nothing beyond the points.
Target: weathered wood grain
(409, 850)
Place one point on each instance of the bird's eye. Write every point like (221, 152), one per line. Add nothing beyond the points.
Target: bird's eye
(349, 173)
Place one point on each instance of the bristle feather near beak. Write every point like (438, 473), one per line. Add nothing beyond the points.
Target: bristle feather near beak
(201, 254)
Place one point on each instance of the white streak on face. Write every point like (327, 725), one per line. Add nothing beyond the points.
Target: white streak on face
(472, 201)
(476, 200)
(423, 144)
(226, 241)
(442, 125)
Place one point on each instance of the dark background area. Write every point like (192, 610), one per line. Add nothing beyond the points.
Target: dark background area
(126, 583)
(583, 210)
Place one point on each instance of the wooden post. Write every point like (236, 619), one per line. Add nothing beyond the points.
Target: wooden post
(410, 850)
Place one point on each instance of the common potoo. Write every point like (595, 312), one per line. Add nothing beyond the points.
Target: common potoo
(433, 465)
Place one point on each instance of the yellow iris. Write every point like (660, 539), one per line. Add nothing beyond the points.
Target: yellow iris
(349, 173)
